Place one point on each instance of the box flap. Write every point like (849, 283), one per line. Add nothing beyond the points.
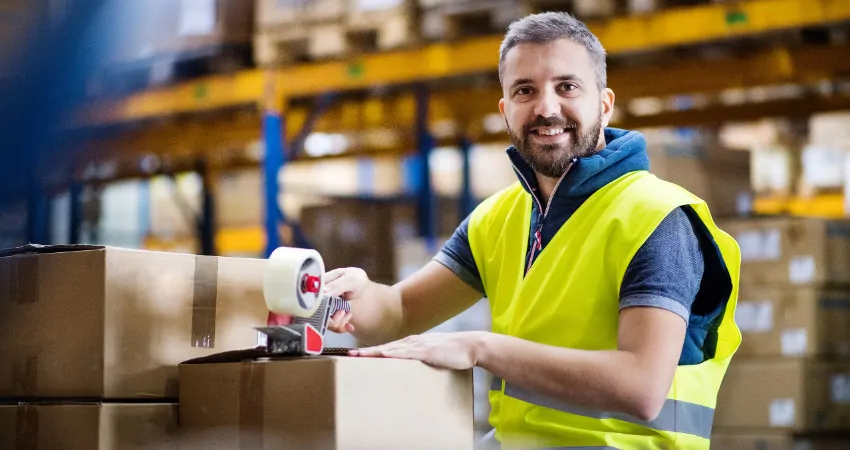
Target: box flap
(38, 248)
(258, 353)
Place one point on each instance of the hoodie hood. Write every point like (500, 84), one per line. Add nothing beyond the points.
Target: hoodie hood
(624, 152)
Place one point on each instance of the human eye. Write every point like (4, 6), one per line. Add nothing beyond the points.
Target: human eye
(523, 91)
(567, 87)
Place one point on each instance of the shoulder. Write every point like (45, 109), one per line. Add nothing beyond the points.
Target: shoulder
(498, 204)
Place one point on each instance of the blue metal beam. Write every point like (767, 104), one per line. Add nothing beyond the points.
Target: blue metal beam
(273, 126)
(466, 198)
(425, 195)
(75, 194)
(206, 221)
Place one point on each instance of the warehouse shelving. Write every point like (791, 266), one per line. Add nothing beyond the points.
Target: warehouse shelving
(223, 111)
(621, 36)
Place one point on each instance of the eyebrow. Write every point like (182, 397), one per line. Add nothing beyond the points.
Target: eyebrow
(569, 77)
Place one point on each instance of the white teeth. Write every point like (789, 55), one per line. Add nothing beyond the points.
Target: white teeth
(550, 131)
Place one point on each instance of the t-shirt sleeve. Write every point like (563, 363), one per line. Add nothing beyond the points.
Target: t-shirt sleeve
(666, 272)
(456, 254)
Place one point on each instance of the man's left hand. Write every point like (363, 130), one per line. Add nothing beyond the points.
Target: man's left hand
(458, 351)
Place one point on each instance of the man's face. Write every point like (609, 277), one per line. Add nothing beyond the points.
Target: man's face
(552, 105)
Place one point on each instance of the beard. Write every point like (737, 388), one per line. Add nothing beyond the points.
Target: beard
(553, 160)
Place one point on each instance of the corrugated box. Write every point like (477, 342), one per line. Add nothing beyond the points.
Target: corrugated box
(767, 440)
(792, 250)
(90, 426)
(777, 321)
(102, 322)
(326, 402)
(787, 394)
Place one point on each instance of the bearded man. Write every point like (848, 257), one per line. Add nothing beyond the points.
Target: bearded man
(612, 292)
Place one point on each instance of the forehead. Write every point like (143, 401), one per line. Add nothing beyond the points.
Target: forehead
(543, 61)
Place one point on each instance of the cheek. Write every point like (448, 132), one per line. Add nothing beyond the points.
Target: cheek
(516, 118)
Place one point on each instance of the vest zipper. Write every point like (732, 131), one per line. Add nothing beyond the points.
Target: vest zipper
(537, 245)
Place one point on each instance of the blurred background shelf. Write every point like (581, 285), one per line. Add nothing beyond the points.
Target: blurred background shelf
(368, 129)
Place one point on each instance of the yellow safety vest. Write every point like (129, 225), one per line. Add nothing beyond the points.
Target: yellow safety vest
(569, 298)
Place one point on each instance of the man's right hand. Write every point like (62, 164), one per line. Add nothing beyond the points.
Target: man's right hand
(350, 284)
(385, 313)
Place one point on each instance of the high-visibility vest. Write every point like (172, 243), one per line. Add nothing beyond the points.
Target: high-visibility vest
(569, 298)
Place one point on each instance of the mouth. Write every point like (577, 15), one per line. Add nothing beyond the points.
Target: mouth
(551, 134)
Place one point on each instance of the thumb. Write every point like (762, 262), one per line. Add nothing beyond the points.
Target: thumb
(332, 275)
(338, 282)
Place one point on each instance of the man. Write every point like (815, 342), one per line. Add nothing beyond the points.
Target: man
(612, 292)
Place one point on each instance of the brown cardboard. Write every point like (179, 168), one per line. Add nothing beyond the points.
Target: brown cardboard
(722, 439)
(788, 394)
(777, 321)
(325, 403)
(91, 426)
(788, 251)
(114, 323)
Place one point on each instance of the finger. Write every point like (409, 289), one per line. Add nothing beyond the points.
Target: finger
(339, 286)
(332, 275)
(335, 321)
(383, 350)
(337, 318)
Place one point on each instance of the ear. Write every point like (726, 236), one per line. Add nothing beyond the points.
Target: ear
(502, 106)
(607, 99)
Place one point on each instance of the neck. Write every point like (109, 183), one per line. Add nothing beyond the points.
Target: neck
(547, 186)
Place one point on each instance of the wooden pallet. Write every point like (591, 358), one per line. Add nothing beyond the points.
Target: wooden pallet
(360, 32)
(394, 24)
(457, 20)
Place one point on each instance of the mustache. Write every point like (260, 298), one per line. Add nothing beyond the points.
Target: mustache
(550, 121)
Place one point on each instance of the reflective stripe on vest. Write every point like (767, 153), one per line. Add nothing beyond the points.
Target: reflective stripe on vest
(676, 415)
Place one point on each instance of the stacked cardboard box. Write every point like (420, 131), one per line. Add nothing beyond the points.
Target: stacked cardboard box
(91, 337)
(789, 382)
(367, 234)
(324, 402)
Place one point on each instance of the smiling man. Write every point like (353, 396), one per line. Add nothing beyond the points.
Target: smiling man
(612, 292)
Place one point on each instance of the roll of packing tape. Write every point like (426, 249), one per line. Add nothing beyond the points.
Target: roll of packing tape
(293, 281)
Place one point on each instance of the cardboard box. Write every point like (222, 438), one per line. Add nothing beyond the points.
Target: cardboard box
(91, 426)
(326, 403)
(102, 322)
(788, 394)
(784, 251)
(776, 321)
(768, 440)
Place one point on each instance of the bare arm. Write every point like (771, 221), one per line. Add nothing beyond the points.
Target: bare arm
(384, 313)
(634, 379)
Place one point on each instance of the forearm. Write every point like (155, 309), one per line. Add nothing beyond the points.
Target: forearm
(612, 381)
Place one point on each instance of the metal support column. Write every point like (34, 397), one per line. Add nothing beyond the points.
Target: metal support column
(273, 124)
(425, 195)
(38, 215)
(466, 198)
(206, 220)
(75, 194)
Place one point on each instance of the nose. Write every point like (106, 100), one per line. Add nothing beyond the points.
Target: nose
(548, 104)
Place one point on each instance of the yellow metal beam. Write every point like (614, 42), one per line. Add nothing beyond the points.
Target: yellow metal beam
(826, 206)
(675, 27)
(217, 134)
(716, 115)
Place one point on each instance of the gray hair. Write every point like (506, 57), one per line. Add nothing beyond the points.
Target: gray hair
(550, 26)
